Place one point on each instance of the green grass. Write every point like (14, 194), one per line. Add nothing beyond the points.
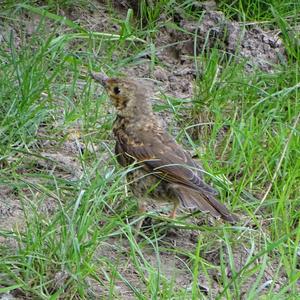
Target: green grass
(259, 11)
(83, 246)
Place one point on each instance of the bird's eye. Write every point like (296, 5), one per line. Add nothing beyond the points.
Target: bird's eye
(117, 90)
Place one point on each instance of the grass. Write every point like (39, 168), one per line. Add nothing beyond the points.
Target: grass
(70, 231)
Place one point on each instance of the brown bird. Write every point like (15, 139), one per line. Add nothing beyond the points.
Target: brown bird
(162, 169)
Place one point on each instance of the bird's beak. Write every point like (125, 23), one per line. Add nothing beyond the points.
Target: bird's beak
(101, 78)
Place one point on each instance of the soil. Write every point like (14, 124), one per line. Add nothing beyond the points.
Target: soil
(259, 48)
(174, 75)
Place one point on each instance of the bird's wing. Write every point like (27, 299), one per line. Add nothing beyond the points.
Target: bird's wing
(160, 154)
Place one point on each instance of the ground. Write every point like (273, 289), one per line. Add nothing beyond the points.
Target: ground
(225, 83)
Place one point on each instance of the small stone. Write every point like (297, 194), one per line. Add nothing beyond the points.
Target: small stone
(160, 74)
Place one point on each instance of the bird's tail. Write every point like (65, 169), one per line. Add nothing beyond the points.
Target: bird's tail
(204, 202)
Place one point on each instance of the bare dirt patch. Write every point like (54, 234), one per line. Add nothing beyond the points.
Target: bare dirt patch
(262, 49)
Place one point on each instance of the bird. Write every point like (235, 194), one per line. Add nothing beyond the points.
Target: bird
(162, 170)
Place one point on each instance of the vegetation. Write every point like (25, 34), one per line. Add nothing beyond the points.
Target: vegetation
(73, 231)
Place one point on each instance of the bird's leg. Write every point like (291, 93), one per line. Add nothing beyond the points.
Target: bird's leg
(141, 209)
(173, 212)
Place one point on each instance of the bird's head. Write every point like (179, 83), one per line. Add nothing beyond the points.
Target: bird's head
(128, 96)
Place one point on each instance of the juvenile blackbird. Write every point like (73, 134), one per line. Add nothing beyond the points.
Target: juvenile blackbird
(163, 170)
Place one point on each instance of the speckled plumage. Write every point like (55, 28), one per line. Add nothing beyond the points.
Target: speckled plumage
(162, 169)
